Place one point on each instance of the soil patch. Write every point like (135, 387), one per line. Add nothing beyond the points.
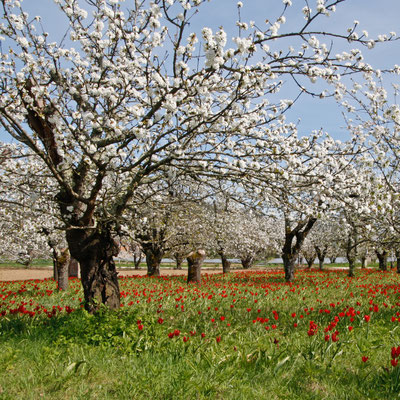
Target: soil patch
(15, 274)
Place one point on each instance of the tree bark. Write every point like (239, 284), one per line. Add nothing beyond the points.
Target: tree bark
(179, 260)
(352, 265)
(321, 254)
(154, 255)
(63, 260)
(95, 249)
(382, 258)
(310, 261)
(55, 269)
(226, 265)
(397, 254)
(364, 261)
(351, 251)
(137, 259)
(247, 261)
(195, 260)
(332, 259)
(137, 255)
(291, 251)
(73, 268)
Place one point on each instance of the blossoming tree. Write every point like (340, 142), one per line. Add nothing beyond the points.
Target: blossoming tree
(131, 91)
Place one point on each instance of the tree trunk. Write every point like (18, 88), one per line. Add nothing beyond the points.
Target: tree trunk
(332, 259)
(247, 261)
(55, 269)
(73, 268)
(351, 251)
(289, 266)
(352, 265)
(137, 257)
(291, 251)
(226, 265)
(195, 260)
(382, 258)
(63, 260)
(397, 254)
(95, 249)
(310, 261)
(321, 254)
(179, 260)
(154, 255)
(364, 261)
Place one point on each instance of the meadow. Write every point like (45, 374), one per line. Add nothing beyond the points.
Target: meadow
(244, 335)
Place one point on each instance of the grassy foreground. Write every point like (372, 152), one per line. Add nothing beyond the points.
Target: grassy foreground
(248, 335)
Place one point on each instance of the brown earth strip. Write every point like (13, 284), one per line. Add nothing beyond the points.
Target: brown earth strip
(43, 273)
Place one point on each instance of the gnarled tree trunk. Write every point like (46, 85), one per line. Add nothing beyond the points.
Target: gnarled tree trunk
(226, 265)
(363, 262)
(63, 260)
(397, 255)
(310, 261)
(290, 250)
(95, 249)
(247, 261)
(73, 268)
(179, 260)
(137, 255)
(195, 260)
(321, 254)
(154, 255)
(382, 258)
(352, 265)
(351, 252)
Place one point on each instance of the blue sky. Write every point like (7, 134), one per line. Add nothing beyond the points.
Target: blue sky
(377, 17)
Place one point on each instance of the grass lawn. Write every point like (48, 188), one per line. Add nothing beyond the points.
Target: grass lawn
(245, 335)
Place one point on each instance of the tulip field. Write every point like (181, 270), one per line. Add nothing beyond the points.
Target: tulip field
(244, 335)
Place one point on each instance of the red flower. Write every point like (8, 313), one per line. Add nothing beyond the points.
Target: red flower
(327, 337)
(395, 352)
(394, 362)
(185, 339)
(335, 337)
(367, 318)
(177, 332)
(222, 318)
(140, 327)
(218, 339)
(364, 358)
(350, 328)
(160, 320)
(203, 335)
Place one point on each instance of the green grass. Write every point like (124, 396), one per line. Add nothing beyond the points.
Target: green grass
(261, 354)
(38, 263)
